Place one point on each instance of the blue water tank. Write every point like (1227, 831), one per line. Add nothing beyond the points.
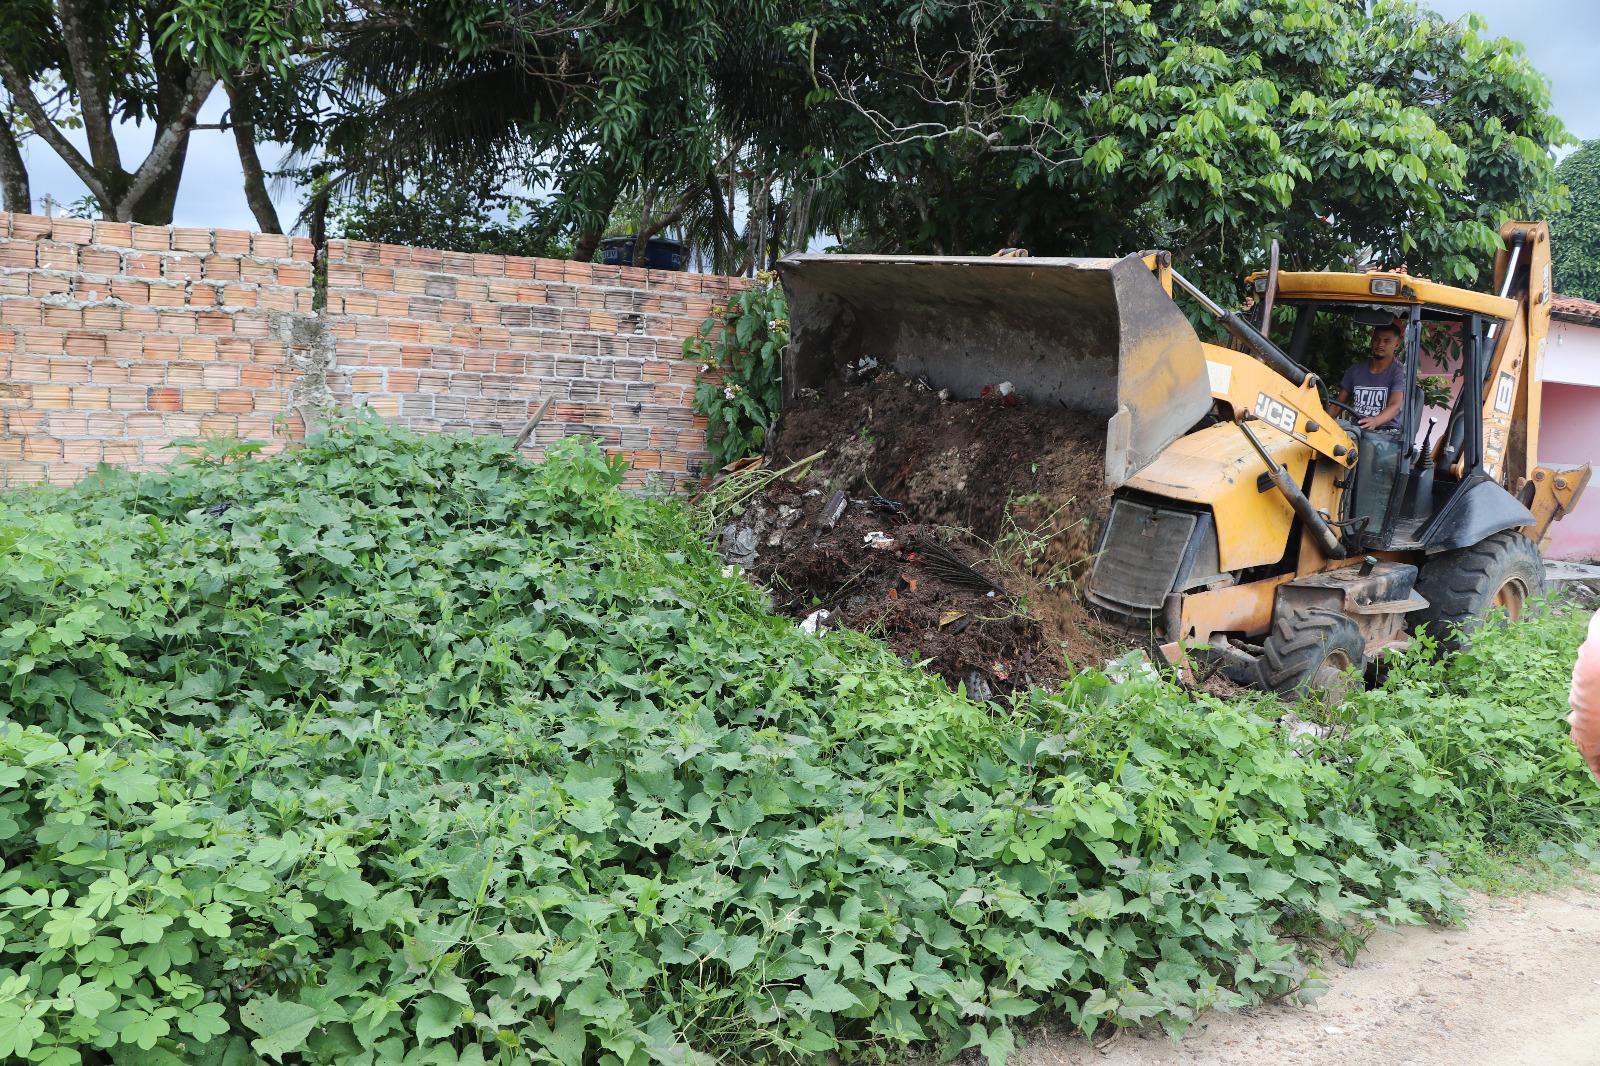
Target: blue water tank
(660, 253)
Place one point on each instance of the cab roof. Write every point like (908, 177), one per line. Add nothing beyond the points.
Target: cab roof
(1334, 285)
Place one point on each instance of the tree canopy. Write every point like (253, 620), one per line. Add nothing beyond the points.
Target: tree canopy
(1084, 127)
(751, 127)
(591, 98)
(102, 62)
(1575, 232)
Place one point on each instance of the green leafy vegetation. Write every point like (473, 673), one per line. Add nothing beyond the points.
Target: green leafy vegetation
(89, 67)
(395, 747)
(744, 349)
(454, 215)
(1208, 128)
(1575, 232)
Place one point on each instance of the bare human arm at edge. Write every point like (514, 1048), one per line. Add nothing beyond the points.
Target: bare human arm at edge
(1585, 698)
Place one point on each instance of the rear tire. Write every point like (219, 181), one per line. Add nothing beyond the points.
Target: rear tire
(1313, 649)
(1463, 586)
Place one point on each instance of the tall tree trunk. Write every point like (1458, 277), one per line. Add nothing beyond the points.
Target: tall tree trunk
(255, 182)
(755, 224)
(317, 210)
(588, 239)
(13, 172)
(650, 224)
(780, 223)
(583, 248)
(151, 191)
(87, 58)
(148, 193)
(155, 208)
(646, 228)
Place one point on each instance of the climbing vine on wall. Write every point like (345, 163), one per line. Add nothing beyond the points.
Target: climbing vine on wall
(740, 352)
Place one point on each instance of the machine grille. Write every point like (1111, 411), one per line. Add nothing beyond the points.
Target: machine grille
(1140, 556)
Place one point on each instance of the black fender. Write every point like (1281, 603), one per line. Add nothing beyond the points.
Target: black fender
(1477, 509)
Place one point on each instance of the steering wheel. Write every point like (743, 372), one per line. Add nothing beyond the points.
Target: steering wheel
(1331, 402)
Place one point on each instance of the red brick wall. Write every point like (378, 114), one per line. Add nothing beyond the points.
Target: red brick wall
(458, 342)
(116, 340)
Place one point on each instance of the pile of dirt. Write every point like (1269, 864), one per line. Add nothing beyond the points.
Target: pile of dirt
(955, 463)
(877, 571)
(956, 531)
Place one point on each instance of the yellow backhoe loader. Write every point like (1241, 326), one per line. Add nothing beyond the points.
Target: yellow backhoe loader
(1252, 520)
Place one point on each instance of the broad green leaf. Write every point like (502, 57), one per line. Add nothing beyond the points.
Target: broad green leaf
(281, 1026)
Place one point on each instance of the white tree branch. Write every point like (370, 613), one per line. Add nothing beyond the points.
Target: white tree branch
(92, 95)
(971, 87)
(22, 97)
(201, 82)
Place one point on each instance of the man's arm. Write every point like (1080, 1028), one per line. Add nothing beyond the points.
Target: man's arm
(1397, 399)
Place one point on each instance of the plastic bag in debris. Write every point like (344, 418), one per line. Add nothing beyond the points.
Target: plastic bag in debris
(1132, 665)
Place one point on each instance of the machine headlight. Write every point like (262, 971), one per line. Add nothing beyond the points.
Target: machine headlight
(1260, 284)
(1385, 287)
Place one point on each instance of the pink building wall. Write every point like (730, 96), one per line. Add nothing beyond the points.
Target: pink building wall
(1570, 433)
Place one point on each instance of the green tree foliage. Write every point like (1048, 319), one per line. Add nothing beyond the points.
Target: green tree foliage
(592, 98)
(1575, 232)
(1208, 128)
(153, 63)
(401, 749)
(744, 350)
(441, 212)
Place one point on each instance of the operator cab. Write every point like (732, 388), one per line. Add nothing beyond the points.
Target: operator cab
(1401, 481)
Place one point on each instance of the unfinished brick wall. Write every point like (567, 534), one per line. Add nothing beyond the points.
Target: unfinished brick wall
(117, 339)
(457, 342)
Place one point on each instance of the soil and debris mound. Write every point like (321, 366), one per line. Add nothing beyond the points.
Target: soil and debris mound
(955, 463)
(956, 531)
(923, 589)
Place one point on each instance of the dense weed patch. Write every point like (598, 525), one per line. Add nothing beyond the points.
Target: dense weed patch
(397, 749)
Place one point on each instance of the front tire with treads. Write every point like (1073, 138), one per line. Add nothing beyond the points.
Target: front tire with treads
(1312, 649)
(1463, 586)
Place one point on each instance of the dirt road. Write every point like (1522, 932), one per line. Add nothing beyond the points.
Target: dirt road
(1519, 985)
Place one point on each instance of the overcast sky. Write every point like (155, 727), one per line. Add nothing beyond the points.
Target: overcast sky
(1562, 38)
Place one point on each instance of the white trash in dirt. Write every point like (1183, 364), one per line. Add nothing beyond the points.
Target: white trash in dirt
(877, 539)
(1004, 388)
(815, 621)
(1297, 729)
(1132, 665)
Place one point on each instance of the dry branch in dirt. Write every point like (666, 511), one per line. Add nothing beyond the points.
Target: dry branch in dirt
(1011, 492)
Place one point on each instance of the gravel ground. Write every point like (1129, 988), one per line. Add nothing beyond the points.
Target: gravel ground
(1519, 985)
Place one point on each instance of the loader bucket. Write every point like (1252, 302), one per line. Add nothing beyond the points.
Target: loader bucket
(1095, 336)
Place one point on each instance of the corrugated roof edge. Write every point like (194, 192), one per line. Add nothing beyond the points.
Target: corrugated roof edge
(1575, 309)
